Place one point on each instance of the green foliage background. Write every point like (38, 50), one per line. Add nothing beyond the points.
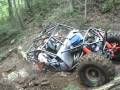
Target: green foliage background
(42, 12)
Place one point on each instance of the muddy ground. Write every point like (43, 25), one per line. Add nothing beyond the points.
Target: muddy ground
(18, 74)
(30, 79)
(34, 80)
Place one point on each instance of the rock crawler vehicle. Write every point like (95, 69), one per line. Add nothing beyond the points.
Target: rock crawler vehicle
(90, 52)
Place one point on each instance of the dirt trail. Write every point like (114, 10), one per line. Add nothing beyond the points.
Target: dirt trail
(35, 80)
(32, 79)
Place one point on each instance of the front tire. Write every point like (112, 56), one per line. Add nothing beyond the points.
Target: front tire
(95, 70)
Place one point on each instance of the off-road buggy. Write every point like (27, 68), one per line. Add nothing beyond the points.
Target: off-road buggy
(88, 51)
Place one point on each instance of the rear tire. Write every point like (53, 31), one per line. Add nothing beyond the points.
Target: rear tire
(114, 37)
(95, 70)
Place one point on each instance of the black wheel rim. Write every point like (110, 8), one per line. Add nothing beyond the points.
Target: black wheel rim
(93, 74)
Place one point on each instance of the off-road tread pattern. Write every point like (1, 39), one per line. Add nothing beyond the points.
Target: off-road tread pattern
(100, 61)
(113, 36)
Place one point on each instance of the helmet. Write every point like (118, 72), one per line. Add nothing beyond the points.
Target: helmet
(76, 39)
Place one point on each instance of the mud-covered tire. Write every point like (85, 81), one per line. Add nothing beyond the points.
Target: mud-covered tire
(104, 69)
(114, 37)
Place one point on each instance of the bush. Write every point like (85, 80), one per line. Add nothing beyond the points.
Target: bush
(44, 6)
(71, 87)
(7, 33)
(106, 6)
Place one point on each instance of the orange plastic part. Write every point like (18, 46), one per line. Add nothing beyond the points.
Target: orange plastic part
(86, 50)
(108, 45)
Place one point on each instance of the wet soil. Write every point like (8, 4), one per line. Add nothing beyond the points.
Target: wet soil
(36, 80)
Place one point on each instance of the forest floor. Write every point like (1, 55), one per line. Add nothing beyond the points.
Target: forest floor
(32, 79)
(17, 74)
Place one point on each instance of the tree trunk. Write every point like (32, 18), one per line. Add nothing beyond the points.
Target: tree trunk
(10, 9)
(28, 5)
(19, 4)
(85, 10)
(18, 16)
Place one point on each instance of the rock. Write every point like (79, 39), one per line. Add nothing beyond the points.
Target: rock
(62, 74)
(44, 79)
(45, 83)
(23, 54)
(23, 73)
(10, 69)
(19, 47)
(21, 80)
(13, 76)
(4, 75)
(31, 84)
(12, 50)
(31, 78)
(36, 83)
(18, 87)
(12, 41)
(24, 86)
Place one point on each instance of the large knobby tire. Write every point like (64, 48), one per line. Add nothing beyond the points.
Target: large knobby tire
(95, 70)
(114, 37)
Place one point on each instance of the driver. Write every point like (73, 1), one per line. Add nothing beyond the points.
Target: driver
(64, 59)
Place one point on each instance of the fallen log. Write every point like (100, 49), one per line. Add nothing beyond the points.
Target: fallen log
(113, 85)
